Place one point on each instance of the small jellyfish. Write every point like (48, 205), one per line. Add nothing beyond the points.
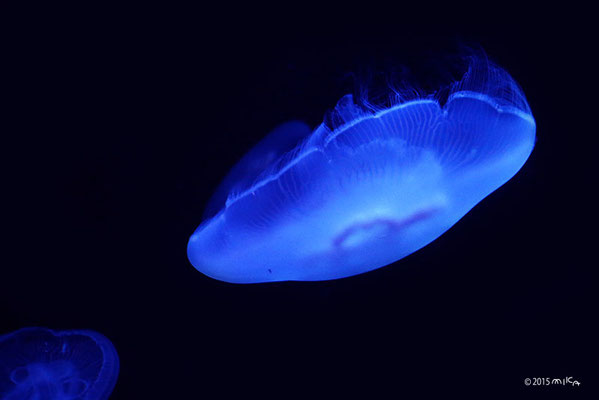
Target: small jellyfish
(368, 187)
(39, 363)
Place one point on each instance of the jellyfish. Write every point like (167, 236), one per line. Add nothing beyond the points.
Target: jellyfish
(369, 186)
(39, 363)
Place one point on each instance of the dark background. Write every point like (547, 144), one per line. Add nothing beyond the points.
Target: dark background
(124, 122)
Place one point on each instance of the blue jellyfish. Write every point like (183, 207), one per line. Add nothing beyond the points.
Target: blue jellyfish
(368, 187)
(38, 363)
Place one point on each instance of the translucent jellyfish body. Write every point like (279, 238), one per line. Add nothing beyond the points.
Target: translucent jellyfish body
(38, 363)
(368, 188)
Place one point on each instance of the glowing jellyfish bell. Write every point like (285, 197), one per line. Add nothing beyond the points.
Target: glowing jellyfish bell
(38, 363)
(368, 189)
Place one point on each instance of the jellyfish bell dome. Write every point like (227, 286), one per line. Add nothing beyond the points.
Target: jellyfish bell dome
(39, 363)
(367, 189)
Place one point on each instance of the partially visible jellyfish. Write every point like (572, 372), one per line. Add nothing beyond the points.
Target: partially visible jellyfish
(39, 363)
(369, 187)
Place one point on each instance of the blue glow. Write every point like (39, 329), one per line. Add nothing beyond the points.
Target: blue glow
(370, 187)
(38, 363)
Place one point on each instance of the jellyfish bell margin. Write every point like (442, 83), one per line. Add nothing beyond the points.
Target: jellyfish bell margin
(376, 186)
